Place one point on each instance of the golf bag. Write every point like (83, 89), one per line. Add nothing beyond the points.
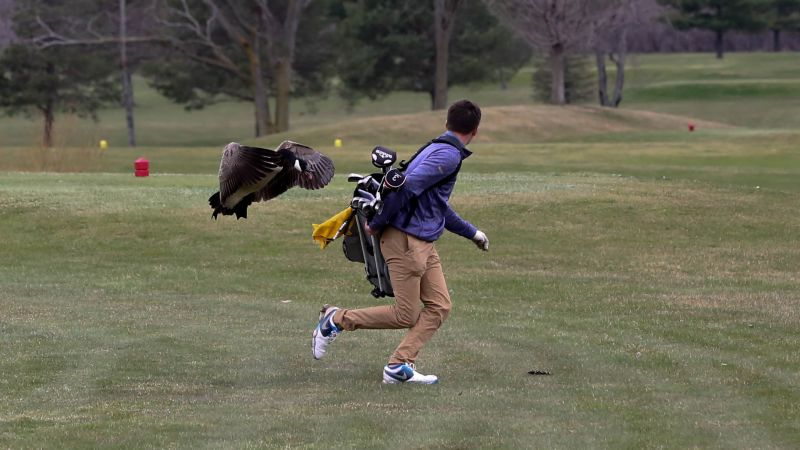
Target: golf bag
(366, 249)
(359, 246)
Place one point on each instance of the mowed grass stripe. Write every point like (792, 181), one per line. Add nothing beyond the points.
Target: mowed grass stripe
(131, 318)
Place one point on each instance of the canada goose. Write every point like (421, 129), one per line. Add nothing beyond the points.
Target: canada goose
(251, 174)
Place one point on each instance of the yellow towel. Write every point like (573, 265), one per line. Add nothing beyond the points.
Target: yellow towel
(325, 232)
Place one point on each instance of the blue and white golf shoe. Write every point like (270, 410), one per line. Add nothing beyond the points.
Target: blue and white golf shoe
(406, 373)
(325, 332)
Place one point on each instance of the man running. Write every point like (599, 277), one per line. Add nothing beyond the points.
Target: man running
(411, 220)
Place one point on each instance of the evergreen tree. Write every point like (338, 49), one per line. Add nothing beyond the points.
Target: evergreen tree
(68, 80)
(578, 80)
(719, 16)
(784, 16)
(390, 46)
(488, 48)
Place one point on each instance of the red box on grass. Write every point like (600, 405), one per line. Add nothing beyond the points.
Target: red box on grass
(141, 167)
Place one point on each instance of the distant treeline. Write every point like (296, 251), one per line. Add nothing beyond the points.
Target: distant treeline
(659, 37)
(78, 55)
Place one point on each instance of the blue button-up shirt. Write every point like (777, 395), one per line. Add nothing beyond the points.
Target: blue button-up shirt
(432, 214)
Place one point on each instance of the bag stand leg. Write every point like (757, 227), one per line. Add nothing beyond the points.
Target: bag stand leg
(381, 276)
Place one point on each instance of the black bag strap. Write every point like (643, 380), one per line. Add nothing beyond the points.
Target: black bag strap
(444, 139)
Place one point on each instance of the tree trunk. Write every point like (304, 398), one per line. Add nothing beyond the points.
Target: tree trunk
(127, 86)
(619, 60)
(719, 44)
(440, 80)
(503, 80)
(619, 83)
(263, 119)
(557, 68)
(283, 92)
(281, 40)
(127, 100)
(443, 16)
(776, 40)
(48, 112)
(602, 77)
(47, 136)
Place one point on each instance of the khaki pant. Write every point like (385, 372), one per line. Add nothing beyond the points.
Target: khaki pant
(417, 280)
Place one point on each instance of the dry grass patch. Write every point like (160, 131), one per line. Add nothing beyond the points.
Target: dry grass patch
(782, 307)
(55, 159)
(520, 123)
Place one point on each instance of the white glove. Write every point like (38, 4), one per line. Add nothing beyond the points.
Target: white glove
(481, 240)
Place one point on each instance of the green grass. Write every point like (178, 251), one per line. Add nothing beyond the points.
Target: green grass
(132, 319)
(756, 90)
(653, 271)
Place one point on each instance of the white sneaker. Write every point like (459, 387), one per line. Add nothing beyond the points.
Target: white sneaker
(325, 332)
(405, 373)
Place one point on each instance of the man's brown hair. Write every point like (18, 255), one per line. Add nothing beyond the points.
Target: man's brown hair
(463, 117)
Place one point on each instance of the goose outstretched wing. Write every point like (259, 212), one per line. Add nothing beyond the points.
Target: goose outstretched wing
(319, 169)
(319, 172)
(243, 166)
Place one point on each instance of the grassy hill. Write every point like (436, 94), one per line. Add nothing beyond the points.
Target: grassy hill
(500, 124)
(749, 90)
(755, 90)
(651, 270)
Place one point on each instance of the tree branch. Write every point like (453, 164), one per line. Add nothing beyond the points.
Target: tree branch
(52, 38)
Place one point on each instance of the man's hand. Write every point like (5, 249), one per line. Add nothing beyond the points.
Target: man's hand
(368, 229)
(481, 240)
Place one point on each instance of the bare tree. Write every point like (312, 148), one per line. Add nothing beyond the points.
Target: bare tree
(82, 23)
(127, 85)
(248, 24)
(281, 39)
(6, 33)
(617, 56)
(444, 14)
(554, 27)
(611, 41)
(242, 28)
(100, 28)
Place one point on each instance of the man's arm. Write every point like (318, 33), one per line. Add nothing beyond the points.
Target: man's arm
(459, 226)
(455, 224)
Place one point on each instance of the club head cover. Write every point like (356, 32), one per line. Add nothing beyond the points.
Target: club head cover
(394, 179)
(383, 157)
